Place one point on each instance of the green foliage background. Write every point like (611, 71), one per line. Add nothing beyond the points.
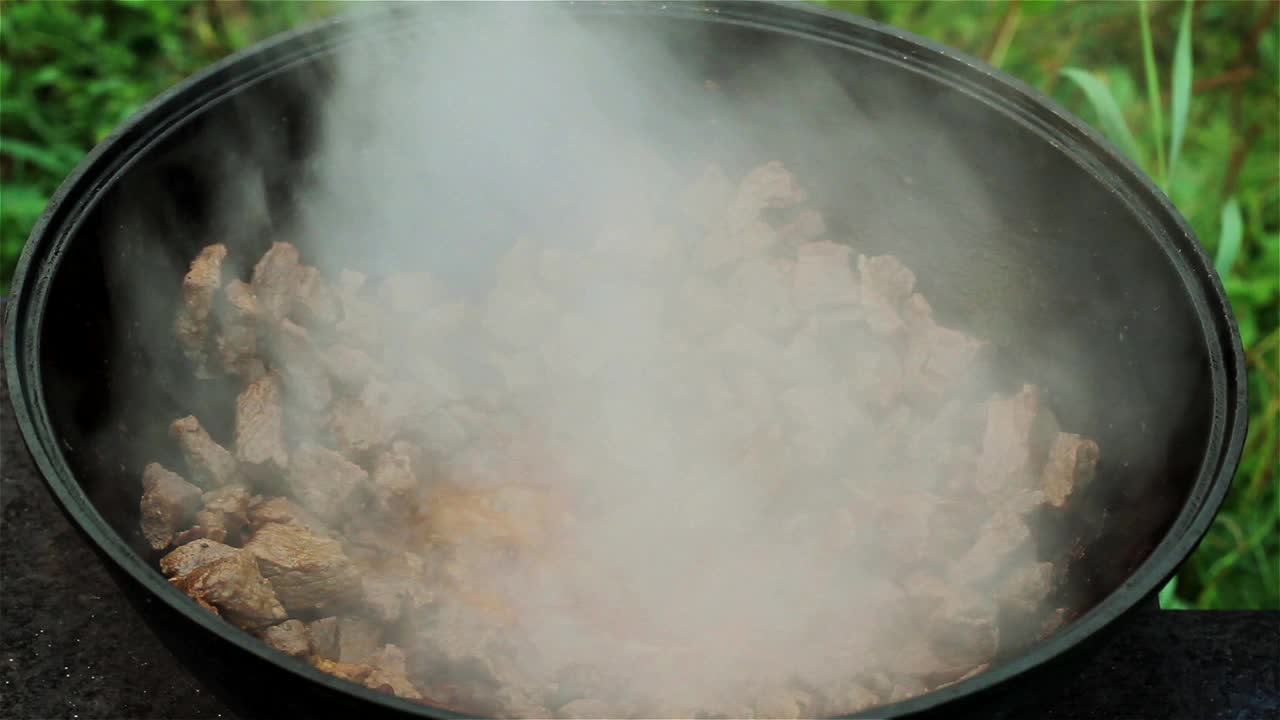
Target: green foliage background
(71, 71)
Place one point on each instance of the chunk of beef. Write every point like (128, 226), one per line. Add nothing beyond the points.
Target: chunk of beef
(325, 482)
(735, 240)
(770, 185)
(199, 288)
(349, 640)
(189, 556)
(824, 276)
(213, 532)
(275, 280)
(209, 464)
(307, 571)
(350, 367)
(885, 284)
(283, 510)
(385, 675)
(1053, 622)
(226, 508)
(847, 698)
(939, 361)
(167, 504)
(1016, 441)
(237, 341)
(784, 702)
(303, 370)
(1025, 589)
(324, 637)
(290, 637)
(1001, 541)
(394, 484)
(260, 426)
(234, 585)
(761, 291)
(356, 429)
(389, 673)
(1073, 460)
(315, 304)
(963, 632)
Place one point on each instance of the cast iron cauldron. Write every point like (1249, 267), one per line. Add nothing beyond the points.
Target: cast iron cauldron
(1075, 262)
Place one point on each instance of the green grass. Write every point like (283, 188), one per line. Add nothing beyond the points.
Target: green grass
(1190, 95)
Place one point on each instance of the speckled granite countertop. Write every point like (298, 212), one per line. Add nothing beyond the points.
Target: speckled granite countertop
(72, 646)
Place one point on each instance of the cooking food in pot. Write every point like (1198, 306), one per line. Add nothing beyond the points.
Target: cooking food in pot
(463, 533)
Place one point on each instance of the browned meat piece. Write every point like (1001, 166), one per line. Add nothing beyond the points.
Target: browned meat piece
(260, 426)
(324, 637)
(1015, 442)
(823, 276)
(885, 284)
(1052, 623)
(908, 522)
(1072, 463)
(389, 673)
(316, 303)
(784, 703)
(226, 508)
(167, 504)
(770, 185)
(761, 290)
(210, 465)
(394, 484)
(198, 290)
(237, 341)
(394, 581)
(290, 637)
(964, 631)
(275, 280)
(350, 367)
(1001, 540)
(357, 640)
(725, 245)
(380, 677)
(234, 585)
(804, 226)
(356, 429)
(303, 371)
(189, 556)
(939, 361)
(284, 510)
(1026, 588)
(200, 532)
(307, 571)
(325, 482)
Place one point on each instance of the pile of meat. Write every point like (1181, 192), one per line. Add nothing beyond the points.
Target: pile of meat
(406, 464)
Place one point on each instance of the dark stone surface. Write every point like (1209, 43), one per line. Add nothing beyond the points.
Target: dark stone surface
(72, 646)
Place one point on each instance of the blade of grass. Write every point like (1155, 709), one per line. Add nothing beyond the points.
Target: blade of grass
(1153, 92)
(1181, 85)
(1230, 235)
(1104, 104)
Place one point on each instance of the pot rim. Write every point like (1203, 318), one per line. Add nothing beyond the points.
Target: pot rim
(113, 157)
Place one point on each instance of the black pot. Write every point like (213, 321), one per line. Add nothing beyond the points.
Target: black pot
(1074, 262)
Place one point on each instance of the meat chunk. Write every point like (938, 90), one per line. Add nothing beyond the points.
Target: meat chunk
(1026, 588)
(283, 510)
(1015, 442)
(290, 637)
(199, 288)
(1001, 541)
(385, 675)
(275, 280)
(824, 276)
(226, 508)
(210, 465)
(349, 640)
(236, 588)
(350, 367)
(356, 429)
(315, 304)
(260, 426)
(167, 504)
(237, 341)
(770, 185)
(394, 484)
(325, 482)
(307, 571)
(189, 556)
(303, 372)
(1072, 463)
(939, 361)
(847, 698)
(964, 632)
(885, 284)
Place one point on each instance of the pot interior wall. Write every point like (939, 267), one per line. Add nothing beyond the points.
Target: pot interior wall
(1011, 240)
